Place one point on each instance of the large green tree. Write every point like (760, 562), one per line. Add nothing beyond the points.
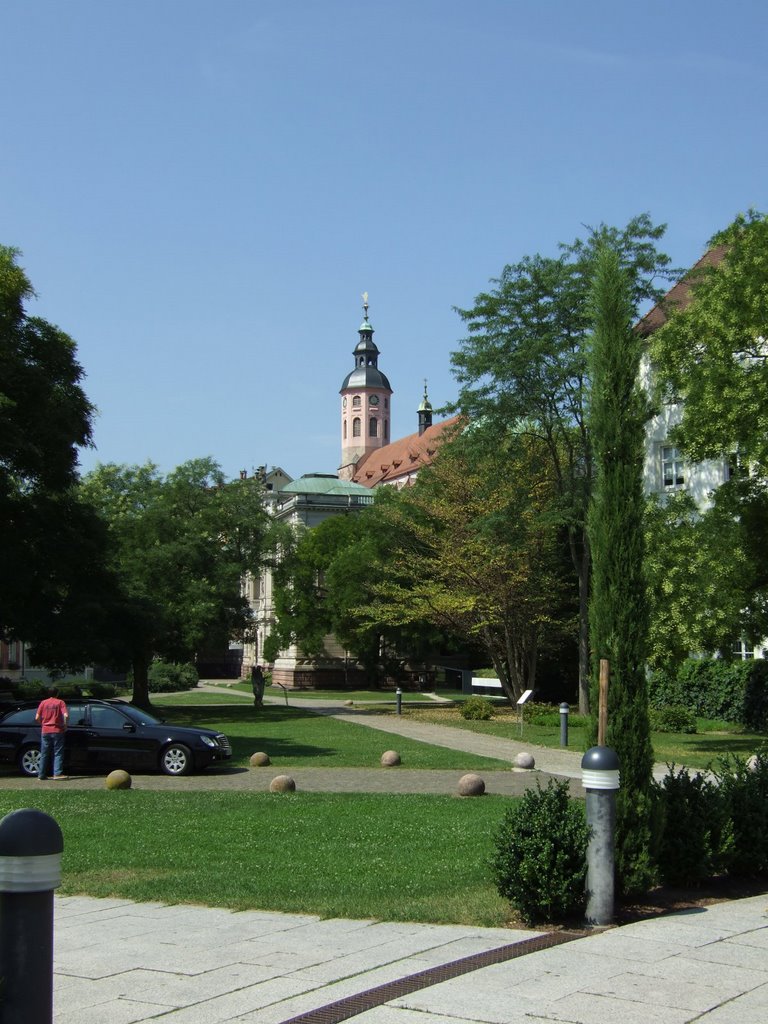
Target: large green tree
(703, 571)
(178, 548)
(325, 577)
(712, 353)
(525, 362)
(711, 356)
(51, 558)
(477, 551)
(618, 615)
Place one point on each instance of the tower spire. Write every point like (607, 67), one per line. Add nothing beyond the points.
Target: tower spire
(425, 411)
(365, 401)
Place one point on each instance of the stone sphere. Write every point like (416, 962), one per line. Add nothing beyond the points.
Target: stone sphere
(349, 703)
(390, 758)
(259, 759)
(118, 779)
(282, 784)
(752, 763)
(524, 760)
(471, 785)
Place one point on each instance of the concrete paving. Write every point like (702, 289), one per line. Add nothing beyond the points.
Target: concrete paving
(122, 963)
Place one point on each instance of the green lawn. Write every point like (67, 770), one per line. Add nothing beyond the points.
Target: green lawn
(329, 743)
(356, 696)
(394, 858)
(713, 740)
(293, 736)
(197, 697)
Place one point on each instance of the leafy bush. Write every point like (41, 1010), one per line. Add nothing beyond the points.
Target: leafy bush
(102, 691)
(71, 688)
(26, 689)
(673, 718)
(477, 709)
(694, 828)
(170, 677)
(734, 691)
(540, 864)
(485, 673)
(744, 791)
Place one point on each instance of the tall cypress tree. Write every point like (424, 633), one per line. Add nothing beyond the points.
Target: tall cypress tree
(618, 612)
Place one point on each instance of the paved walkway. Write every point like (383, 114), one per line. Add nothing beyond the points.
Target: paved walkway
(122, 963)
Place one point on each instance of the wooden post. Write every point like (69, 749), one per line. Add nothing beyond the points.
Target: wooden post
(602, 715)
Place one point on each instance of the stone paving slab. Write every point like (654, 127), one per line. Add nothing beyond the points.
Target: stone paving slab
(122, 963)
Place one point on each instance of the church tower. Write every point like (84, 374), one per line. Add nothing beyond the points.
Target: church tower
(425, 412)
(365, 402)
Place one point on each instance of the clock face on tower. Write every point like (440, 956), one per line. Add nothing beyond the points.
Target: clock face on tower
(374, 400)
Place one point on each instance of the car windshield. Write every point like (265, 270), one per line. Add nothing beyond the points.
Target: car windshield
(138, 716)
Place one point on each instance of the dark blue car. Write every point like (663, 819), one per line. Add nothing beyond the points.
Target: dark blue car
(112, 734)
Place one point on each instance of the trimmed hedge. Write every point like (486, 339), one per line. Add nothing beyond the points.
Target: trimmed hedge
(672, 718)
(731, 691)
(170, 677)
(476, 709)
(716, 824)
(540, 864)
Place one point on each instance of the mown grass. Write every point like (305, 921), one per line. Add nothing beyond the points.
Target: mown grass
(393, 858)
(712, 741)
(226, 696)
(293, 736)
(328, 747)
(356, 696)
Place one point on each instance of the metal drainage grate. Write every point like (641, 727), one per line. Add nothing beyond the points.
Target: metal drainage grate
(343, 1009)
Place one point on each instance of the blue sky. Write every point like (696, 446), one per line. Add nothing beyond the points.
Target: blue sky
(202, 189)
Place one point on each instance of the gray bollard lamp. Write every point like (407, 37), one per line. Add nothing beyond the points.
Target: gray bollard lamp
(600, 776)
(31, 845)
(600, 769)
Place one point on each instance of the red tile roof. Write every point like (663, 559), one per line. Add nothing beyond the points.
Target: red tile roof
(680, 294)
(399, 461)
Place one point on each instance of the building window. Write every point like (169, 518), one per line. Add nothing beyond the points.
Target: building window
(672, 467)
(741, 650)
(356, 402)
(736, 466)
(356, 427)
(373, 430)
(386, 430)
(345, 430)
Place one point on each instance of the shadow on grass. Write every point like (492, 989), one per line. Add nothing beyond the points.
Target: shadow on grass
(241, 723)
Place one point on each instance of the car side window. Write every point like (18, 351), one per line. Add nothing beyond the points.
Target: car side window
(76, 714)
(106, 718)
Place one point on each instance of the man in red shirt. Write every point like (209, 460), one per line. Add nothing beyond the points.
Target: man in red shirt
(53, 717)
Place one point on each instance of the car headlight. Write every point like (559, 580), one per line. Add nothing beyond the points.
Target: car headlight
(209, 741)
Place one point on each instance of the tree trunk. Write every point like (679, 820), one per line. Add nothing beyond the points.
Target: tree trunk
(141, 682)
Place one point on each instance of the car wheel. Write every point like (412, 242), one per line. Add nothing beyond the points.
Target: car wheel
(176, 759)
(29, 761)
